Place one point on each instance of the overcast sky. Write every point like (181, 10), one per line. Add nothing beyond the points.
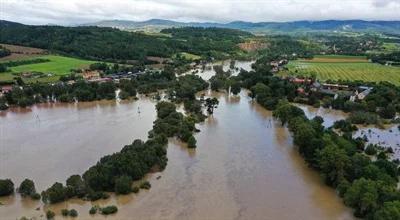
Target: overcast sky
(82, 11)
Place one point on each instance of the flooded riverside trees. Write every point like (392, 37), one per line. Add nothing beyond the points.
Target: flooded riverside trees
(240, 169)
(240, 151)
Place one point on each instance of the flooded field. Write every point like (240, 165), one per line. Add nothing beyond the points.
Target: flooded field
(245, 166)
(208, 71)
(388, 137)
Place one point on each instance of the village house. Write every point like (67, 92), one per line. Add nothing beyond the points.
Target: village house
(361, 93)
(334, 90)
(6, 89)
(296, 80)
(278, 65)
(90, 75)
(100, 80)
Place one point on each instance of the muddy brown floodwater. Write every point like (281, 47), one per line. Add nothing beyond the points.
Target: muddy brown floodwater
(245, 165)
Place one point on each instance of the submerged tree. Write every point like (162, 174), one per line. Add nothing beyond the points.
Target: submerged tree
(6, 187)
(211, 104)
(27, 188)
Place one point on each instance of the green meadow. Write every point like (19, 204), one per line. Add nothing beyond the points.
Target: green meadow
(57, 66)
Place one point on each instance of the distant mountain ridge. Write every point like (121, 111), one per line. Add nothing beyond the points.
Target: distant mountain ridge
(277, 27)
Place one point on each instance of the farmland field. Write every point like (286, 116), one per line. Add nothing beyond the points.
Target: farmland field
(57, 66)
(343, 68)
(20, 52)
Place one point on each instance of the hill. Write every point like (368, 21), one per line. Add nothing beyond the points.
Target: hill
(263, 27)
(110, 44)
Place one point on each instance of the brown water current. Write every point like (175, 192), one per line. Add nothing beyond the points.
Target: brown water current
(245, 165)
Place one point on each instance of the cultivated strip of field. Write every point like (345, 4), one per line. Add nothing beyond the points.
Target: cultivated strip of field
(337, 59)
(20, 52)
(369, 72)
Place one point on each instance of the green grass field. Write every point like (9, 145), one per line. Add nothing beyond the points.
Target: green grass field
(190, 56)
(337, 70)
(57, 66)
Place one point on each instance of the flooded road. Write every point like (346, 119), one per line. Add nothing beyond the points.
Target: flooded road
(245, 165)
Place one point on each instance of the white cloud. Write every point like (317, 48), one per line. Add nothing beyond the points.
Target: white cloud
(81, 11)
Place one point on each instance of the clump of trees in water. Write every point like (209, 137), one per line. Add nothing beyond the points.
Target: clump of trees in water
(27, 188)
(223, 80)
(369, 186)
(71, 213)
(6, 187)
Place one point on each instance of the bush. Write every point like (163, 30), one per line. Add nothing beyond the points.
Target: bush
(93, 210)
(370, 149)
(145, 185)
(135, 189)
(6, 187)
(345, 126)
(56, 193)
(363, 118)
(192, 142)
(27, 188)
(35, 196)
(73, 213)
(109, 210)
(64, 212)
(388, 112)
(50, 214)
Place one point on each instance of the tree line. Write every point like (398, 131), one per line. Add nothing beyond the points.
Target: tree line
(109, 44)
(367, 185)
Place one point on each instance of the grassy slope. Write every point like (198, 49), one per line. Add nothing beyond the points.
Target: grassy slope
(58, 66)
(346, 70)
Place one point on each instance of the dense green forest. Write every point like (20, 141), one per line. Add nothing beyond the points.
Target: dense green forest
(208, 42)
(115, 45)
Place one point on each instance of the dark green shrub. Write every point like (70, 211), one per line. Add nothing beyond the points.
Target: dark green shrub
(73, 213)
(50, 214)
(27, 188)
(371, 149)
(64, 212)
(109, 210)
(93, 210)
(145, 185)
(135, 189)
(6, 187)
